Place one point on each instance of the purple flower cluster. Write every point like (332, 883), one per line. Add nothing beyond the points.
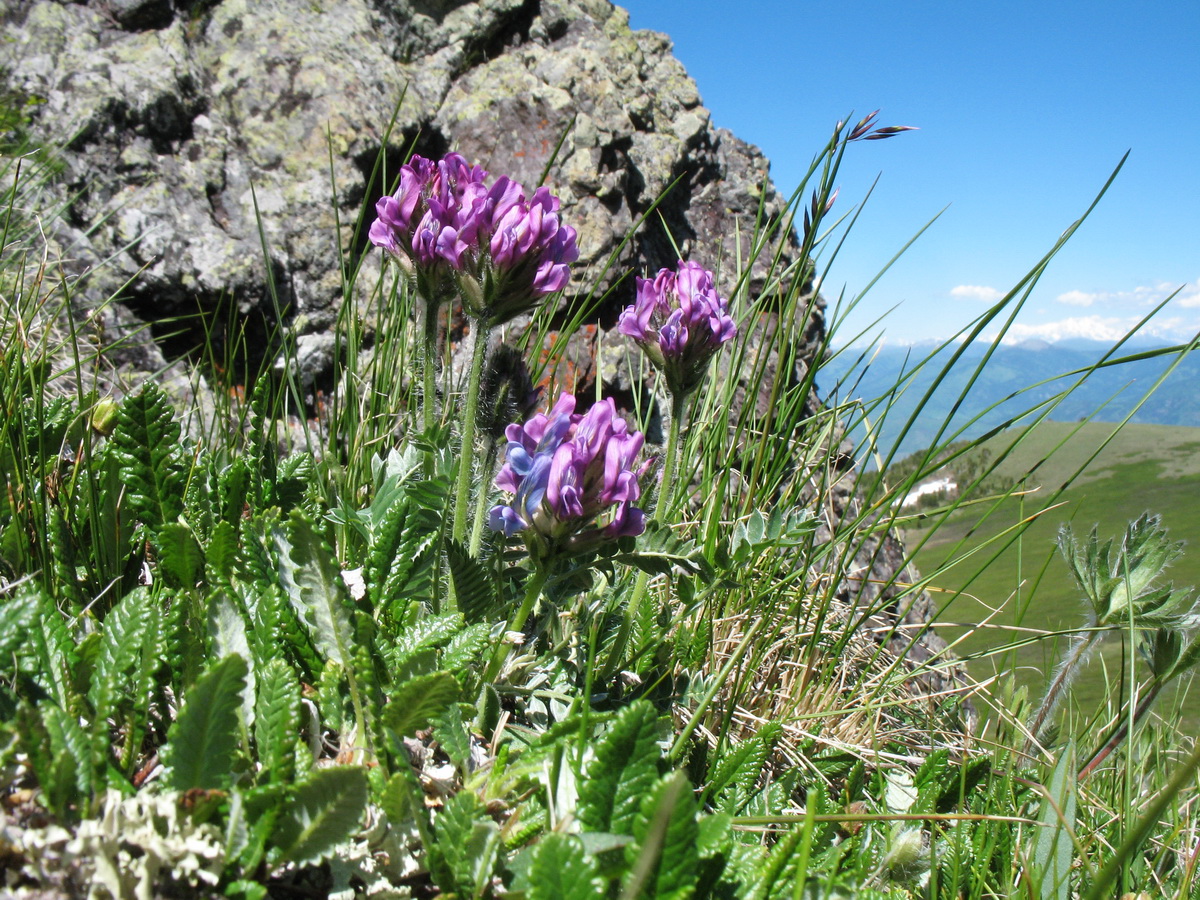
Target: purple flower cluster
(572, 476)
(679, 320)
(431, 218)
(504, 250)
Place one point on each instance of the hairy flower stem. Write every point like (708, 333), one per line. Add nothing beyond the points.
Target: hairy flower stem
(487, 470)
(1122, 730)
(671, 457)
(1082, 645)
(661, 507)
(466, 456)
(429, 366)
(533, 590)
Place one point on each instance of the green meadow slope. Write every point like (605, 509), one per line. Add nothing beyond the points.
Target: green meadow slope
(1006, 590)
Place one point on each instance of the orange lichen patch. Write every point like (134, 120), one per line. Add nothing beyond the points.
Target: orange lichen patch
(570, 367)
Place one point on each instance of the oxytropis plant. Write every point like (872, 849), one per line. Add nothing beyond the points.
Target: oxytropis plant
(493, 247)
(573, 476)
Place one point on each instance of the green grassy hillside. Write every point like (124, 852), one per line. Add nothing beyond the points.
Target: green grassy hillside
(1010, 589)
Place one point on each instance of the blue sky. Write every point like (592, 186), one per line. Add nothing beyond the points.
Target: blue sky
(1024, 109)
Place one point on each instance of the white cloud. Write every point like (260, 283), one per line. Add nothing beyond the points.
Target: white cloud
(1103, 328)
(977, 292)
(1190, 295)
(1142, 295)
(1097, 328)
(1078, 298)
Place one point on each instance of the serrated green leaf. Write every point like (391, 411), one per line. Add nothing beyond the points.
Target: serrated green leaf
(474, 588)
(714, 835)
(414, 652)
(562, 870)
(663, 859)
(468, 845)
(623, 770)
(151, 464)
(452, 735)
(18, 613)
(402, 797)
(466, 650)
(277, 716)
(220, 554)
(312, 579)
(69, 741)
(331, 696)
(122, 646)
(179, 555)
(203, 740)
(228, 632)
(233, 484)
(415, 702)
(324, 811)
(292, 478)
(55, 651)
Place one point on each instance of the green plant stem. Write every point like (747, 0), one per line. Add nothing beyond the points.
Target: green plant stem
(487, 468)
(466, 456)
(1062, 680)
(670, 457)
(721, 681)
(429, 367)
(533, 590)
(661, 507)
(1119, 733)
(1102, 884)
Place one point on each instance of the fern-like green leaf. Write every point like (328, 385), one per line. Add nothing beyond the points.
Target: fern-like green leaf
(324, 811)
(415, 702)
(179, 555)
(467, 844)
(229, 632)
(292, 479)
(402, 554)
(146, 444)
(453, 736)
(402, 796)
(624, 769)
(663, 858)
(198, 505)
(466, 650)
(415, 649)
(562, 870)
(220, 554)
(276, 718)
(18, 614)
(233, 486)
(120, 649)
(473, 587)
(314, 585)
(55, 652)
(740, 767)
(204, 739)
(69, 740)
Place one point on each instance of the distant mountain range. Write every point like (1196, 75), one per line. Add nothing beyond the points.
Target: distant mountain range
(1015, 379)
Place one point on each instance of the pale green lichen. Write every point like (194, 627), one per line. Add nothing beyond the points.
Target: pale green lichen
(123, 852)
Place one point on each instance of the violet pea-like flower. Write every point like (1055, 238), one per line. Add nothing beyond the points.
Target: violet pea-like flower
(432, 219)
(528, 253)
(573, 479)
(680, 321)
